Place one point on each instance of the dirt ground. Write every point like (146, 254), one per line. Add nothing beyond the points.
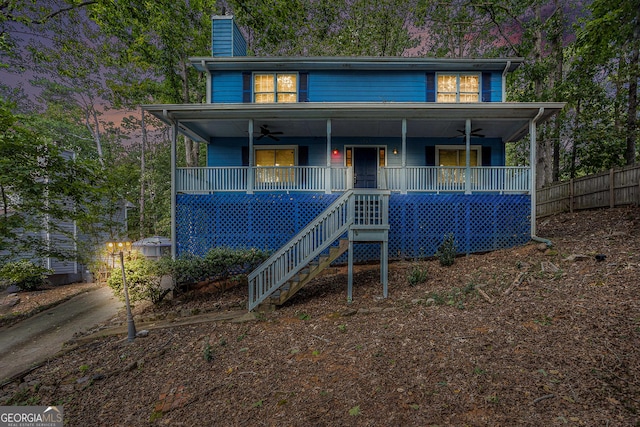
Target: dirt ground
(529, 336)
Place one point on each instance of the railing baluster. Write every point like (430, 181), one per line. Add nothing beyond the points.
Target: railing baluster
(451, 179)
(312, 178)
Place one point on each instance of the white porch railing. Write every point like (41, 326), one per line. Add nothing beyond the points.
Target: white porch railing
(289, 178)
(508, 179)
(341, 178)
(452, 179)
(246, 179)
(207, 180)
(502, 179)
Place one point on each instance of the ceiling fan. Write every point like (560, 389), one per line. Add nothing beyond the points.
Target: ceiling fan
(264, 131)
(474, 132)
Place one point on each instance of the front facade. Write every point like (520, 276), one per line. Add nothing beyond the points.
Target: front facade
(288, 137)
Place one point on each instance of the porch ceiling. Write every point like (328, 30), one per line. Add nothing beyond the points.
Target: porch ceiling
(507, 121)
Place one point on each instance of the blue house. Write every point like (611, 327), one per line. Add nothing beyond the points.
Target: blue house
(349, 158)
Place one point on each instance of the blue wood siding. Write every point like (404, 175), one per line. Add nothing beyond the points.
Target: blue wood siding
(494, 86)
(221, 37)
(366, 86)
(226, 88)
(239, 43)
(226, 38)
(354, 86)
(228, 151)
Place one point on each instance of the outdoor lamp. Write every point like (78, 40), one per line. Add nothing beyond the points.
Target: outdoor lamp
(119, 247)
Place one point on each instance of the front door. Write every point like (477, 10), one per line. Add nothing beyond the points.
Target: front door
(365, 167)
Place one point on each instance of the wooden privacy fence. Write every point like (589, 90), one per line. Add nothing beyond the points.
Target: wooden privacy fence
(617, 187)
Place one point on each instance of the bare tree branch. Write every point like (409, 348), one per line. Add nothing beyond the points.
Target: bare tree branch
(63, 10)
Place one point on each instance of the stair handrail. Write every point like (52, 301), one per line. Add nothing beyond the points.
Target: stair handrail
(287, 261)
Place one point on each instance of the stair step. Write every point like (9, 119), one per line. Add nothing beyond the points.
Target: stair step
(330, 250)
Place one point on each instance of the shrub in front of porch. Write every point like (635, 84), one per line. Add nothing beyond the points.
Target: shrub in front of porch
(218, 264)
(143, 276)
(447, 250)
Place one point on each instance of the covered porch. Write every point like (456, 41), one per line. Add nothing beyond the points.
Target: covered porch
(334, 135)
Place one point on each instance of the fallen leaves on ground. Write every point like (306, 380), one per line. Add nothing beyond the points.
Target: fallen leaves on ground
(528, 336)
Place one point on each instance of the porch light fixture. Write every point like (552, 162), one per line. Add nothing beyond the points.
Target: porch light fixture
(395, 151)
(119, 247)
(335, 152)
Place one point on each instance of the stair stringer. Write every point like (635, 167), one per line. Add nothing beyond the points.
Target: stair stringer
(304, 247)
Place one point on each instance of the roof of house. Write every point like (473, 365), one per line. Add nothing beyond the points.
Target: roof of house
(253, 63)
(506, 120)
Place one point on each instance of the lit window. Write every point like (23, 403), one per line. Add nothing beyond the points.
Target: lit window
(457, 157)
(275, 164)
(275, 87)
(458, 88)
(452, 158)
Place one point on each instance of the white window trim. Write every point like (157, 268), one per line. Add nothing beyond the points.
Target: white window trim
(477, 148)
(479, 75)
(275, 83)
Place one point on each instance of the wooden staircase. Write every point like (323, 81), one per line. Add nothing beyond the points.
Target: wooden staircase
(360, 215)
(304, 276)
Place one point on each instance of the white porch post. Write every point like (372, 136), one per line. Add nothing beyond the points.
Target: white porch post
(327, 178)
(403, 177)
(467, 133)
(251, 170)
(174, 138)
(532, 166)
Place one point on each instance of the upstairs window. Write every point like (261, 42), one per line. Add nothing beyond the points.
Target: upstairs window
(458, 88)
(275, 87)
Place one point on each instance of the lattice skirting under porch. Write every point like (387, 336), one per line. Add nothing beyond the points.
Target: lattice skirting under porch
(418, 222)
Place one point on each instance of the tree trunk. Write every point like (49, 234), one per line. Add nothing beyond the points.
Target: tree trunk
(142, 175)
(190, 147)
(557, 38)
(95, 132)
(632, 110)
(543, 171)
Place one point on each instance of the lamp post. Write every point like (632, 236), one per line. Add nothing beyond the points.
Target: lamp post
(119, 247)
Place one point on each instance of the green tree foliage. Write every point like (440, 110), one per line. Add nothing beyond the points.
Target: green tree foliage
(457, 28)
(610, 38)
(155, 40)
(326, 27)
(593, 141)
(41, 187)
(29, 14)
